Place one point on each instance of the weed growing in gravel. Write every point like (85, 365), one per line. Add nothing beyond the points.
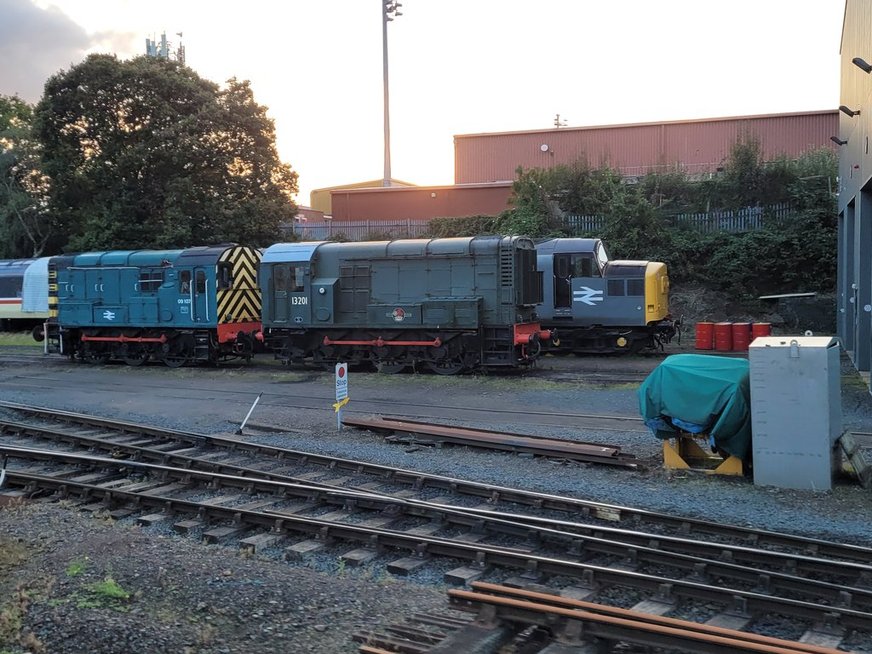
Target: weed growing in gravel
(12, 552)
(385, 578)
(77, 567)
(340, 568)
(104, 594)
(12, 614)
(206, 635)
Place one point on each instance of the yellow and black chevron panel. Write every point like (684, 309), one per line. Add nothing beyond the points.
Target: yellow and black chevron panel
(240, 302)
(52, 290)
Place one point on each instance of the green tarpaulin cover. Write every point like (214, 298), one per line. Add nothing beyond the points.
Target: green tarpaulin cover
(700, 393)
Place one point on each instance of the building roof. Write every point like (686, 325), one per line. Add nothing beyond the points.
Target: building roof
(648, 124)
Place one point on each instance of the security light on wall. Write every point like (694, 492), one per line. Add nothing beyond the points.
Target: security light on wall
(837, 140)
(861, 64)
(849, 112)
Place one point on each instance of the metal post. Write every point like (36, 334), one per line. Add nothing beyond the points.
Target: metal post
(385, 18)
(390, 9)
(250, 411)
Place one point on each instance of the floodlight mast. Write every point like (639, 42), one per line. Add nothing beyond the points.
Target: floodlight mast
(390, 9)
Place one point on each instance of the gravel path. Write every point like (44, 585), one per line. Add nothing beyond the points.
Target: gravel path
(187, 597)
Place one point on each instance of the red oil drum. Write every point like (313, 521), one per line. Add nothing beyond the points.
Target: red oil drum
(705, 335)
(761, 329)
(723, 336)
(741, 336)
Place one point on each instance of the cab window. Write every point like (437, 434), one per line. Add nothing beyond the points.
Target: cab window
(201, 281)
(225, 275)
(296, 280)
(185, 282)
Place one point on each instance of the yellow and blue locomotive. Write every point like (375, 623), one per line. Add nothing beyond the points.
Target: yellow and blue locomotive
(600, 305)
(449, 305)
(199, 304)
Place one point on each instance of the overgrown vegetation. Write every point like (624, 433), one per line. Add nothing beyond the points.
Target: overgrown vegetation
(796, 252)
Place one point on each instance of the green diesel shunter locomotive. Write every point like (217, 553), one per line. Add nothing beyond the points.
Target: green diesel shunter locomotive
(449, 305)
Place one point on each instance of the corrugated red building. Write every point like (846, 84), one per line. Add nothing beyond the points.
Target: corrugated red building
(696, 146)
(420, 203)
(485, 164)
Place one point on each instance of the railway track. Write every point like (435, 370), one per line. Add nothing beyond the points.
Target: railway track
(576, 372)
(227, 489)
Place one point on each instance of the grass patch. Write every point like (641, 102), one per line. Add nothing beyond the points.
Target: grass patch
(106, 594)
(18, 339)
(77, 567)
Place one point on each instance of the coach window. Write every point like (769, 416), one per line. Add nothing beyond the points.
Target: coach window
(225, 275)
(185, 282)
(201, 281)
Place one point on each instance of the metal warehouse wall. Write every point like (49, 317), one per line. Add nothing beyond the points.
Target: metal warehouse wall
(420, 202)
(320, 198)
(854, 317)
(699, 146)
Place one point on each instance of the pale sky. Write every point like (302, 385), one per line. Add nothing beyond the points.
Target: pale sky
(456, 66)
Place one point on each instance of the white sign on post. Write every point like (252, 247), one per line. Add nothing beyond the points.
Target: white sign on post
(341, 392)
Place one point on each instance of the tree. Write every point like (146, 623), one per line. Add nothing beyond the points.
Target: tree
(146, 154)
(25, 227)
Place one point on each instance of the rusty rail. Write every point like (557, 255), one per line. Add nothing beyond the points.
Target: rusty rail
(616, 624)
(505, 441)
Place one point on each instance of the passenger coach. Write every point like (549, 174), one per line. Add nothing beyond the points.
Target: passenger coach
(24, 295)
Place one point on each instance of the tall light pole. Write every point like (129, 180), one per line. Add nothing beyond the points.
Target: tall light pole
(390, 8)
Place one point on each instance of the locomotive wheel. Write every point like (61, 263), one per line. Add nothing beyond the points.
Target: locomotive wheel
(135, 358)
(95, 357)
(446, 366)
(179, 351)
(175, 360)
(132, 354)
(390, 367)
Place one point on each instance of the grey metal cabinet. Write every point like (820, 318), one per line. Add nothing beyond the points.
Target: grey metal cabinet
(796, 410)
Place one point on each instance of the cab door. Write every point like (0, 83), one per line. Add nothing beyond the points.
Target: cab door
(291, 294)
(200, 289)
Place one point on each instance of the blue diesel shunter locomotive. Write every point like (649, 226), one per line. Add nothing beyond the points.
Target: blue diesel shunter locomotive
(175, 306)
(449, 305)
(602, 305)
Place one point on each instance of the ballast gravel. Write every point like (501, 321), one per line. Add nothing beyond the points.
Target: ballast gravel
(187, 597)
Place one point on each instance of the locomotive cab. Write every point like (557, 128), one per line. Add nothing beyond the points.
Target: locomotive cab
(599, 305)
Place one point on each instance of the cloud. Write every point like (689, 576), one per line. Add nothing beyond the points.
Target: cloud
(34, 45)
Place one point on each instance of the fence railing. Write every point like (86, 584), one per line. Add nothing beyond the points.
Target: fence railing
(738, 220)
(734, 221)
(359, 230)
